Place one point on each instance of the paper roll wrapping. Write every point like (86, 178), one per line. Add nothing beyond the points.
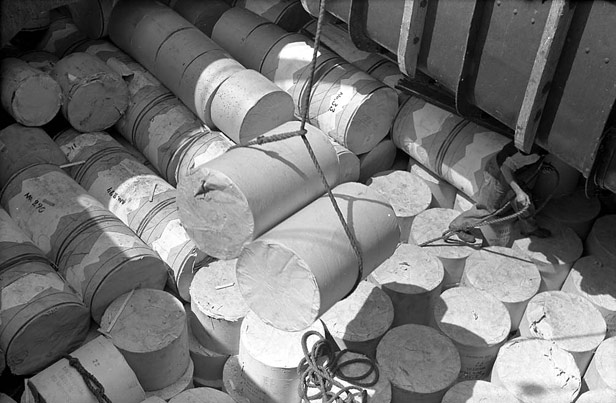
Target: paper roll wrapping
(61, 383)
(553, 255)
(575, 211)
(156, 122)
(299, 269)
(185, 382)
(601, 372)
(29, 95)
(92, 16)
(41, 316)
(193, 67)
(596, 282)
(598, 396)
(557, 316)
(269, 358)
(98, 255)
(149, 328)
(202, 15)
(208, 364)
(95, 96)
(420, 362)
(431, 224)
(455, 149)
(233, 199)
(443, 194)
(406, 193)
(22, 146)
(413, 280)
(346, 103)
(288, 14)
(137, 196)
(358, 322)
(478, 392)
(600, 240)
(338, 40)
(218, 306)
(349, 164)
(379, 159)
(478, 325)
(536, 371)
(507, 274)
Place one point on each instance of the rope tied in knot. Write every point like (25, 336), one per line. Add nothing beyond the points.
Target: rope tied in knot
(97, 389)
(321, 369)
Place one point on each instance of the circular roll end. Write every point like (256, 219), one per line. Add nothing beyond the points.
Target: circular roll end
(372, 120)
(419, 362)
(37, 100)
(247, 105)
(278, 286)
(269, 112)
(233, 383)
(142, 272)
(97, 104)
(215, 213)
(472, 317)
(536, 371)
(34, 347)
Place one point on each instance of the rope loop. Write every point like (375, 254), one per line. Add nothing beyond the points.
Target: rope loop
(321, 369)
(97, 389)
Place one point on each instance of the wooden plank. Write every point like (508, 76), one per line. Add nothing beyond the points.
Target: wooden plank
(411, 30)
(542, 73)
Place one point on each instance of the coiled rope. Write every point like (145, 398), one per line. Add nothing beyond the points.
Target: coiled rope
(321, 369)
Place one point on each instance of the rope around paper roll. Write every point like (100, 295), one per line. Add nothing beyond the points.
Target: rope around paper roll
(321, 368)
(305, 105)
(95, 387)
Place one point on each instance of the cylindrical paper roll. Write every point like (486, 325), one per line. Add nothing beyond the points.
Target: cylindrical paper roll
(601, 372)
(596, 282)
(298, 270)
(431, 224)
(269, 358)
(218, 306)
(557, 316)
(232, 199)
(536, 371)
(406, 193)
(149, 328)
(29, 95)
(358, 322)
(95, 96)
(477, 323)
(413, 280)
(420, 362)
(600, 240)
(507, 274)
(553, 255)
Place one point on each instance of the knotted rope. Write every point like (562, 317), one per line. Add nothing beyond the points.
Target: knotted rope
(488, 221)
(97, 389)
(321, 369)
